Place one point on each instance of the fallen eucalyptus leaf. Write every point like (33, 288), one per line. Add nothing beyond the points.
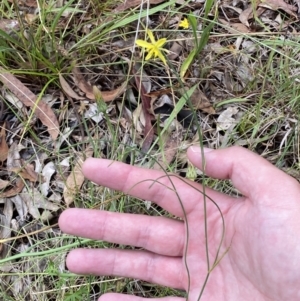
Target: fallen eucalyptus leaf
(41, 109)
(67, 88)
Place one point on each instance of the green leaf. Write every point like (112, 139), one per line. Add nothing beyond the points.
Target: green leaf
(5, 49)
(208, 5)
(193, 22)
(186, 63)
(205, 36)
(8, 38)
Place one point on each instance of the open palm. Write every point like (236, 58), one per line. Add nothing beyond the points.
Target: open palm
(258, 258)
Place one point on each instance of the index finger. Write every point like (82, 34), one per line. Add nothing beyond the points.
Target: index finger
(168, 191)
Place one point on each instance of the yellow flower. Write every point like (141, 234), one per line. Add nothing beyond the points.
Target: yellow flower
(154, 48)
(184, 23)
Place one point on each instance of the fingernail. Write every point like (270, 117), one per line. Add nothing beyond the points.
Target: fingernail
(197, 149)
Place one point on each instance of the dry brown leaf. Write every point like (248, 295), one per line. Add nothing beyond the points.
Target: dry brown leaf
(175, 50)
(76, 178)
(235, 27)
(14, 190)
(90, 91)
(3, 144)
(26, 172)
(279, 4)
(200, 102)
(40, 108)
(82, 84)
(110, 95)
(248, 14)
(3, 184)
(67, 88)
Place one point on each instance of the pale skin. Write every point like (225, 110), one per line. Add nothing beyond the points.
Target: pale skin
(261, 248)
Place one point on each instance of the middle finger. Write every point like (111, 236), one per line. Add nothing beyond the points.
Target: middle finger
(160, 235)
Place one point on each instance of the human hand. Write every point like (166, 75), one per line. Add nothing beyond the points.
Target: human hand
(261, 246)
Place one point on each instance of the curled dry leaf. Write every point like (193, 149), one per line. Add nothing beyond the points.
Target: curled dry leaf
(47, 173)
(235, 27)
(67, 88)
(279, 4)
(34, 201)
(20, 206)
(225, 120)
(14, 190)
(201, 102)
(26, 172)
(91, 91)
(82, 84)
(40, 108)
(248, 14)
(3, 184)
(76, 178)
(3, 144)
(107, 96)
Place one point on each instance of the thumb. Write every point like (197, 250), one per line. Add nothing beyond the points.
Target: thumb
(252, 175)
